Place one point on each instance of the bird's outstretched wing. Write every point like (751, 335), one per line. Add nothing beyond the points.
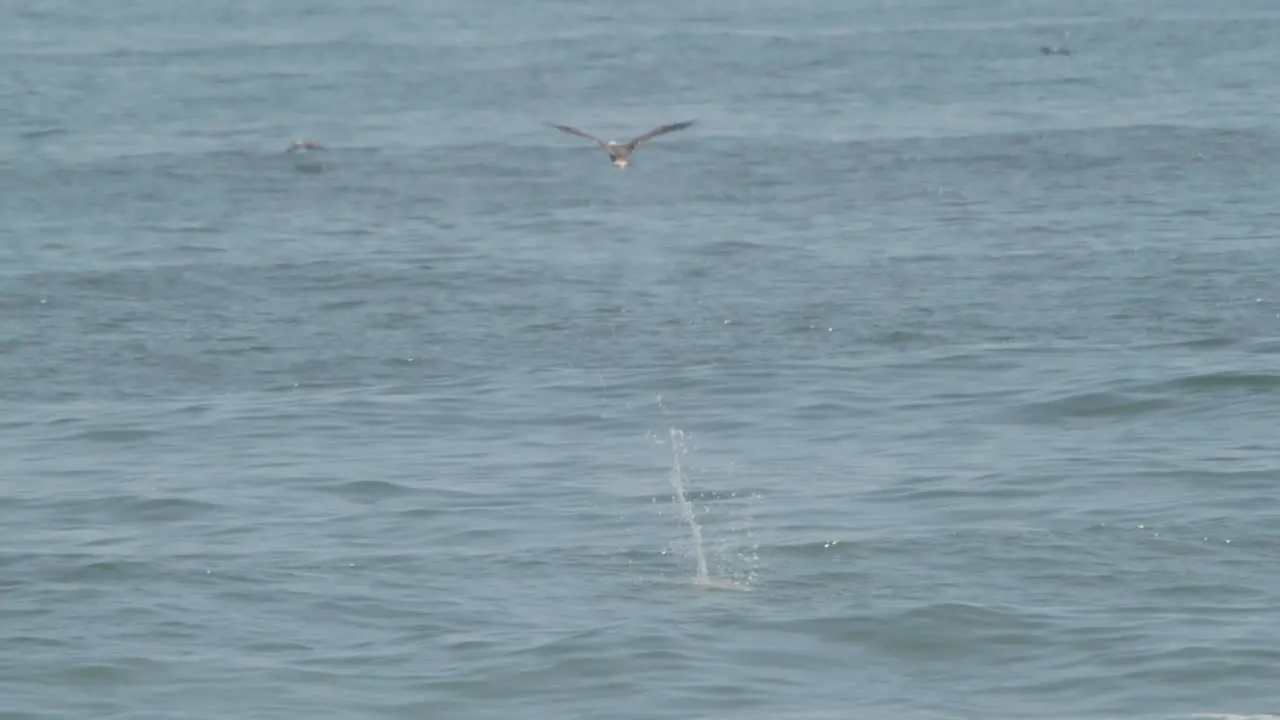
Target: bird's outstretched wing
(656, 132)
(579, 133)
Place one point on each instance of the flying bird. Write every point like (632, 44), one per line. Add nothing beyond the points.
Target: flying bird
(621, 154)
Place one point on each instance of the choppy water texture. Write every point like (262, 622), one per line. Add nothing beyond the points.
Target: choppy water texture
(975, 352)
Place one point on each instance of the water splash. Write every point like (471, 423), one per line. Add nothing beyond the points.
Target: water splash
(686, 507)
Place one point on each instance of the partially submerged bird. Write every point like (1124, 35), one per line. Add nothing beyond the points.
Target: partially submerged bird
(304, 146)
(621, 154)
(1058, 50)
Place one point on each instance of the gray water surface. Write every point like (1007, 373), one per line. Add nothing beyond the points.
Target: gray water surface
(974, 350)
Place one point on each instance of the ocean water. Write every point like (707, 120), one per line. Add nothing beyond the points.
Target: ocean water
(965, 356)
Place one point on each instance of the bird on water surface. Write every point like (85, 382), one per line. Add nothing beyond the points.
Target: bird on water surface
(621, 154)
(304, 146)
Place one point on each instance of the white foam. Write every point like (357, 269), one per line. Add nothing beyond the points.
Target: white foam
(686, 508)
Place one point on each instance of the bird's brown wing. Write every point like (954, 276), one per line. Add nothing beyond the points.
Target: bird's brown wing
(663, 130)
(579, 133)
